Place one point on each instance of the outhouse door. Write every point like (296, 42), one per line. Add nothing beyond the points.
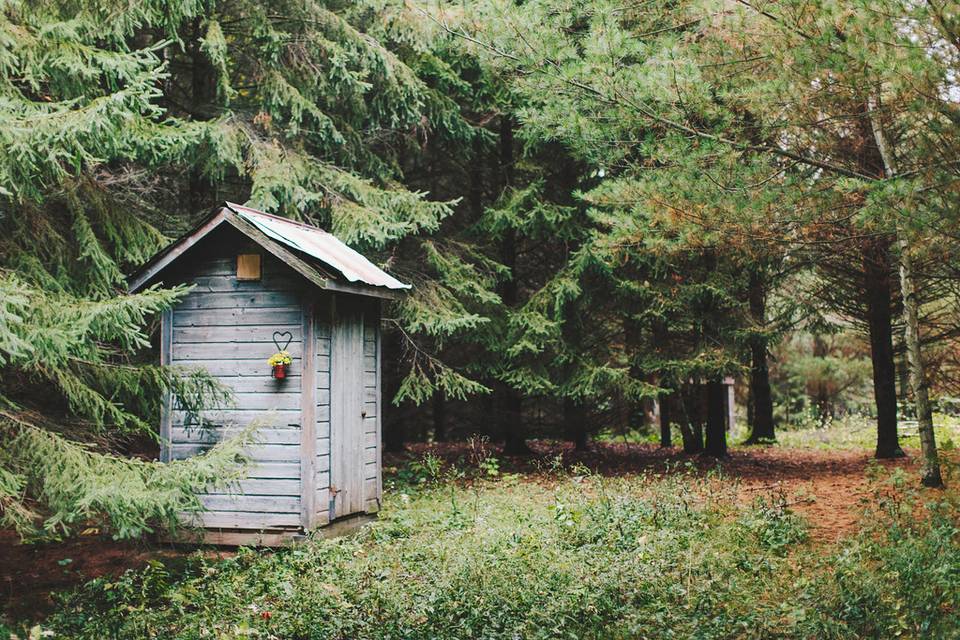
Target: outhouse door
(346, 407)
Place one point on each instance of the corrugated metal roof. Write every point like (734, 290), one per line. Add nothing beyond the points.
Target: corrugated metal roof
(321, 245)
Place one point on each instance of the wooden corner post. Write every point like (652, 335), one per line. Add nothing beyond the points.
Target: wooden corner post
(308, 419)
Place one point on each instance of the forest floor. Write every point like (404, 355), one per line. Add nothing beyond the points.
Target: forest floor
(828, 488)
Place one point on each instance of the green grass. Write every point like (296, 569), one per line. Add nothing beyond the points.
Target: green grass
(860, 432)
(563, 555)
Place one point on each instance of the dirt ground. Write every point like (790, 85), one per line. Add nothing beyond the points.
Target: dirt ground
(828, 488)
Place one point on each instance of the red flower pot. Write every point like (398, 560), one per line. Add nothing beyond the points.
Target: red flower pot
(279, 371)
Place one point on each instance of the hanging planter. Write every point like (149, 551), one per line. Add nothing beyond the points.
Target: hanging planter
(280, 361)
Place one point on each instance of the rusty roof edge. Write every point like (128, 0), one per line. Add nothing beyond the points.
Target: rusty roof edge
(353, 265)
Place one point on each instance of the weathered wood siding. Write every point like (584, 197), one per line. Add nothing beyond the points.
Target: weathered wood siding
(323, 317)
(226, 327)
(346, 408)
(371, 406)
(320, 427)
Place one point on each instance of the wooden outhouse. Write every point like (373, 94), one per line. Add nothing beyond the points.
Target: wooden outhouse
(264, 284)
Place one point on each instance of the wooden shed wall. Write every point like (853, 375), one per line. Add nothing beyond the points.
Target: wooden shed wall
(226, 326)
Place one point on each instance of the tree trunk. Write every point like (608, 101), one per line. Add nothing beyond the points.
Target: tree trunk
(821, 397)
(636, 413)
(761, 398)
(203, 90)
(877, 284)
(666, 400)
(509, 401)
(716, 444)
(575, 423)
(439, 416)
(930, 476)
(514, 437)
(690, 401)
(931, 462)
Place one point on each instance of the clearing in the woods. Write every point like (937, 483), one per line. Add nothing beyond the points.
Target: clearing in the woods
(778, 522)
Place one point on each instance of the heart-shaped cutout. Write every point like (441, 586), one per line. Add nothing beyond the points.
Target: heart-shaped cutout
(279, 336)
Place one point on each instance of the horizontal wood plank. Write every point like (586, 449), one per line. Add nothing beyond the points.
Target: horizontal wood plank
(262, 487)
(247, 334)
(246, 503)
(195, 435)
(232, 350)
(231, 317)
(260, 384)
(242, 520)
(255, 367)
(214, 283)
(274, 470)
(281, 418)
(238, 299)
(266, 401)
(256, 453)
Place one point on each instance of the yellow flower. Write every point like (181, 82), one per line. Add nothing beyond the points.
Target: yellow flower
(281, 357)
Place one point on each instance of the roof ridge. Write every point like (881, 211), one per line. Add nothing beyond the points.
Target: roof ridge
(231, 205)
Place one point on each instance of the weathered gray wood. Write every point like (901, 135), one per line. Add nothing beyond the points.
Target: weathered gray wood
(234, 351)
(212, 283)
(243, 334)
(195, 435)
(238, 299)
(263, 487)
(369, 489)
(308, 428)
(268, 401)
(231, 317)
(166, 355)
(275, 470)
(280, 418)
(378, 403)
(346, 405)
(221, 538)
(261, 402)
(157, 264)
(257, 453)
(361, 290)
(240, 520)
(265, 384)
(255, 368)
(323, 347)
(247, 503)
